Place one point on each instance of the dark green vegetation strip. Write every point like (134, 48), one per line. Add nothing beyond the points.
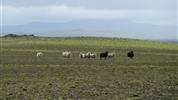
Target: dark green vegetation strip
(151, 75)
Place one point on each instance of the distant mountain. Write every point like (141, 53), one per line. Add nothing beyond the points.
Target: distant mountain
(106, 28)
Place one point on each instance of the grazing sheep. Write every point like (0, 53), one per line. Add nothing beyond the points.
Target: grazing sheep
(104, 55)
(130, 54)
(88, 54)
(82, 55)
(67, 54)
(39, 54)
(93, 55)
(111, 55)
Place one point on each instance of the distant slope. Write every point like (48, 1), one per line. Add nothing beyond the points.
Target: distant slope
(93, 42)
(105, 28)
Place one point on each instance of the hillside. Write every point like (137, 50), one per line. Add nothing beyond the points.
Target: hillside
(151, 74)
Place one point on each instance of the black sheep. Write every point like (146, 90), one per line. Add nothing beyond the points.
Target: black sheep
(104, 55)
(130, 54)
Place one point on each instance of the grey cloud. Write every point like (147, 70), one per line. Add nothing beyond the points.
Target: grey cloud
(62, 12)
(105, 4)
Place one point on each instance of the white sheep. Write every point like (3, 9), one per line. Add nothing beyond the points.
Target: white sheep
(67, 54)
(111, 55)
(93, 55)
(39, 54)
(82, 55)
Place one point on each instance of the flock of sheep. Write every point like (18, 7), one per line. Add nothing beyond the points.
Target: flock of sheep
(68, 54)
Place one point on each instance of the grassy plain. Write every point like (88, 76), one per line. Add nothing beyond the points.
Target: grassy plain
(151, 75)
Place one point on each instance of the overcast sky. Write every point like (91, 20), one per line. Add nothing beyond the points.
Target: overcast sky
(158, 12)
(153, 12)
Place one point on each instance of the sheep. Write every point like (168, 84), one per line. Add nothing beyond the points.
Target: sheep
(39, 54)
(104, 55)
(88, 54)
(82, 55)
(67, 54)
(111, 55)
(130, 54)
(93, 55)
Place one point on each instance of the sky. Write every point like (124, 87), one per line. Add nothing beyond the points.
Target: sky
(161, 13)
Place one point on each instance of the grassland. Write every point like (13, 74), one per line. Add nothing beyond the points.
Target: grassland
(151, 75)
